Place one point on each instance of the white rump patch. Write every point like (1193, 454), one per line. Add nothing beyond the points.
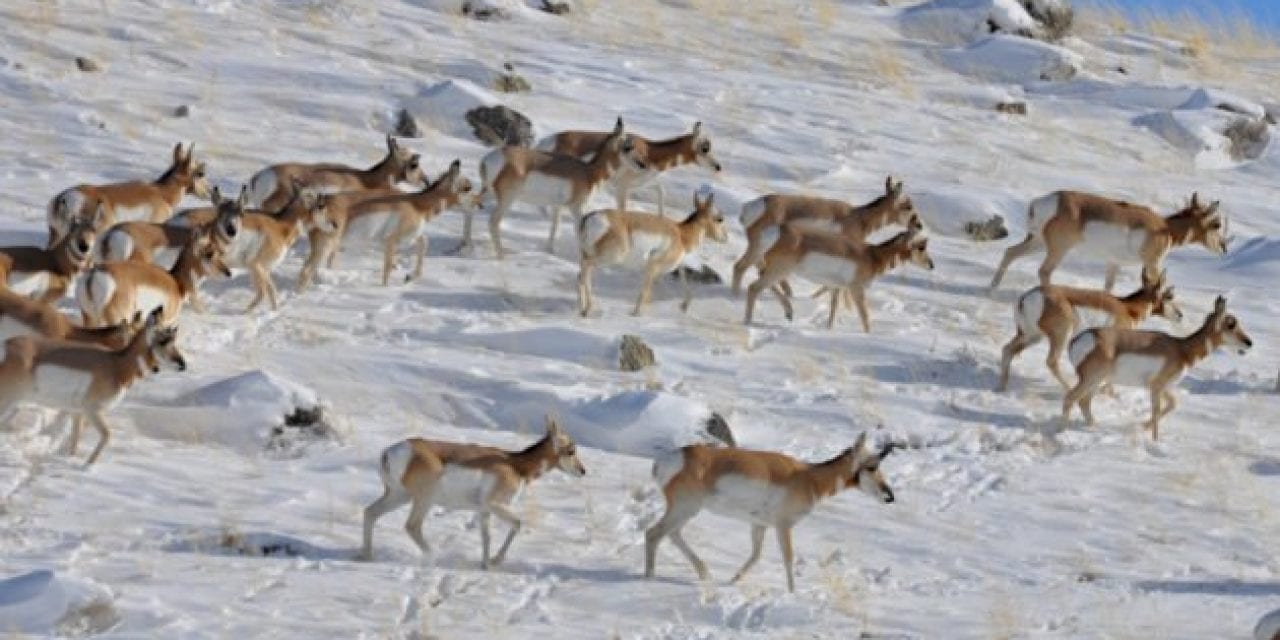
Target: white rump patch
(29, 283)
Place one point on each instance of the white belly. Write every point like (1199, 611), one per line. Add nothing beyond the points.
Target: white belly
(543, 190)
(461, 487)
(243, 249)
(646, 245)
(815, 225)
(1115, 244)
(1133, 370)
(136, 212)
(634, 178)
(165, 257)
(60, 387)
(747, 500)
(29, 283)
(10, 328)
(372, 228)
(148, 299)
(823, 269)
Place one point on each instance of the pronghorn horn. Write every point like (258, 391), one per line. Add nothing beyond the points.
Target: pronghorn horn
(455, 166)
(1220, 305)
(618, 127)
(697, 128)
(888, 184)
(187, 155)
(887, 449)
(243, 200)
(553, 427)
(177, 152)
(1212, 211)
(1195, 198)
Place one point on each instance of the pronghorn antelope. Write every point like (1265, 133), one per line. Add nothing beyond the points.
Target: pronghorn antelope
(660, 155)
(834, 262)
(22, 316)
(111, 293)
(762, 488)
(389, 221)
(264, 240)
(549, 180)
(124, 201)
(1053, 311)
(818, 214)
(468, 477)
(84, 379)
(161, 242)
(1150, 359)
(610, 236)
(271, 187)
(46, 274)
(1112, 230)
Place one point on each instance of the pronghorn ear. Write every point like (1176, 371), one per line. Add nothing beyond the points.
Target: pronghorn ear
(888, 184)
(1212, 211)
(455, 167)
(618, 128)
(215, 196)
(187, 155)
(553, 427)
(177, 153)
(243, 200)
(99, 215)
(392, 145)
(1220, 305)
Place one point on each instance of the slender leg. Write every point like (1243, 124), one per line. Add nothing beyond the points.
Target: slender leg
(1017, 345)
(646, 289)
(788, 555)
(513, 521)
(196, 303)
(677, 538)
(484, 539)
(688, 291)
(757, 541)
(1053, 257)
(860, 301)
(271, 290)
(584, 287)
(677, 514)
(835, 305)
(413, 525)
(748, 259)
(662, 198)
(104, 436)
(255, 280)
(495, 225)
(1029, 245)
(1057, 344)
(388, 258)
(784, 299)
(555, 228)
(390, 501)
(421, 246)
(1157, 401)
(77, 426)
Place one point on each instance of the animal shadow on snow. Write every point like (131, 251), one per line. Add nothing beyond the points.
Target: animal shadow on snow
(1221, 386)
(1265, 467)
(259, 544)
(490, 300)
(1212, 587)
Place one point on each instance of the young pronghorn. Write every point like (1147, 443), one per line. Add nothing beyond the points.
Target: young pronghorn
(46, 274)
(1112, 230)
(22, 316)
(552, 181)
(1150, 359)
(610, 236)
(468, 477)
(272, 187)
(123, 201)
(818, 214)
(389, 222)
(835, 262)
(111, 293)
(161, 242)
(762, 488)
(691, 148)
(1052, 311)
(84, 379)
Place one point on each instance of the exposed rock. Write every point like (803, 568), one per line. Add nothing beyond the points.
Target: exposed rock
(556, 8)
(298, 430)
(182, 111)
(634, 354)
(1013, 108)
(483, 10)
(500, 125)
(717, 427)
(88, 65)
(510, 81)
(407, 125)
(992, 229)
(704, 275)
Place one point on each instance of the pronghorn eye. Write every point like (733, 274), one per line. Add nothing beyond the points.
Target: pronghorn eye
(706, 146)
(1214, 226)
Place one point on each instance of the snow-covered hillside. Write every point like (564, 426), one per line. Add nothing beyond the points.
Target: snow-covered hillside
(200, 522)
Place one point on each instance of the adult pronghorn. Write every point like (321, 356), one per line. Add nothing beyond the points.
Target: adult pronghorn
(162, 242)
(84, 379)
(123, 201)
(762, 488)
(552, 181)
(271, 187)
(22, 316)
(818, 214)
(693, 148)
(1118, 232)
(611, 236)
(1150, 359)
(113, 292)
(389, 221)
(835, 262)
(468, 477)
(1053, 311)
(46, 274)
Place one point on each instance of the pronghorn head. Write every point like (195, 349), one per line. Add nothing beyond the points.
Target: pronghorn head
(1161, 295)
(701, 149)
(704, 208)
(162, 344)
(81, 235)
(209, 256)
(1225, 329)
(624, 147)
(864, 470)
(1208, 224)
(413, 173)
(566, 452)
(188, 172)
(399, 157)
(918, 244)
(320, 218)
(230, 218)
(897, 199)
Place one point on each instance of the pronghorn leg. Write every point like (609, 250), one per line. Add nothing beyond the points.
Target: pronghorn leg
(677, 514)
(677, 538)
(1157, 398)
(1082, 393)
(1057, 344)
(390, 501)
(484, 539)
(555, 228)
(513, 521)
(256, 278)
(421, 247)
(748, 259)
(662, 198)
(1052, 258)
(271, 290)
(860, 301)
(495, 226)
(688, 291)
(835, 305)
(316, 254)
(388, 258)
(1170, 403)
(1112, 272)
(1017, 345)
(584, 286)
(766, 281)
(646, 289)
(104, 435)
(788, 555)
(1028, 246)
(196, 303)
(413, 525)
(757, 541)
(783, 299)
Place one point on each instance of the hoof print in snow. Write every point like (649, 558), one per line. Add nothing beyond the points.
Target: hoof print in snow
(499, 125)
(1012, 108)
(703, 275)
(406, 125)
(88, 65)
(988, 230)
(510, 81)
(556, 8)
(717, 427)
(298, 430)
(634, 354)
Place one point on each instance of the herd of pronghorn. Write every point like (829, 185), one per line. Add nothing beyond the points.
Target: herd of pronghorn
(133, 261)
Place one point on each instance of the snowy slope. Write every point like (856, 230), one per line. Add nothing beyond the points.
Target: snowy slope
(188, 527)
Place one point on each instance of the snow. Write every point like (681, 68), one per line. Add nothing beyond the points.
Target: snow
(191, 526)
(965, 20)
